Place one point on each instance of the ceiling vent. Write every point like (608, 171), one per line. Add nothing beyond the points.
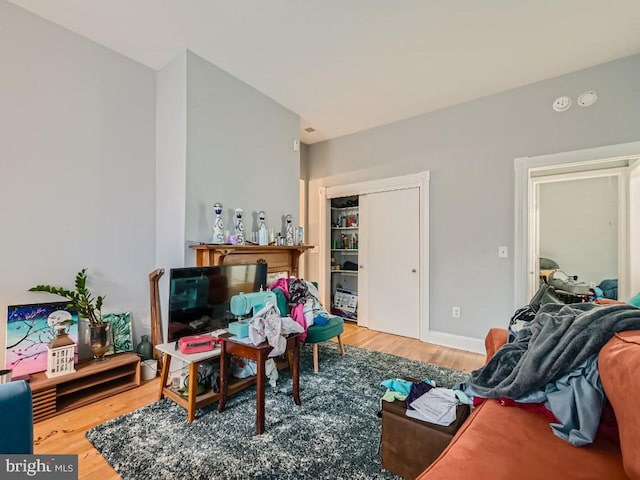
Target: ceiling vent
(309, 129)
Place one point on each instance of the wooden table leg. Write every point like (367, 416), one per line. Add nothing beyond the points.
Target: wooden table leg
(295, 373)
(165, 374)
(224, 366)
(260, 386)
(193, 390)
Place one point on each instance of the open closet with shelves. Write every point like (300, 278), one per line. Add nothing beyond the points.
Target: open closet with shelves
(374, 246)
(345, 220)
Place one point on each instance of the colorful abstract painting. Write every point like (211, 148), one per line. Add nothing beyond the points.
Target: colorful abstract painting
(29, 330)
(121, 334)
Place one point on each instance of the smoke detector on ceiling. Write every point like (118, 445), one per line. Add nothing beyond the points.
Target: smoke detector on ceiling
(561, 104)
(586, 99)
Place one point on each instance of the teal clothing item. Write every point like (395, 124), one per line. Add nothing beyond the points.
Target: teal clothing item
(398, 385)
(403, 386)
(635, 300)
(462, 397)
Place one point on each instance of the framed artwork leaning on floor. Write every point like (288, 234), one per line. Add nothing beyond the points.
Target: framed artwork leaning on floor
(122, 335)
(27, 329)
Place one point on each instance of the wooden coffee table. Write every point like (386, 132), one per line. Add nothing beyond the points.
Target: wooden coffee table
(260, 354)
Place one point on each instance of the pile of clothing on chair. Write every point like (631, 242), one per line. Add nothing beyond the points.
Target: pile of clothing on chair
(304, 302)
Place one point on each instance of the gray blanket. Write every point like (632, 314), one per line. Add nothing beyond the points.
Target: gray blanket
(559, 339)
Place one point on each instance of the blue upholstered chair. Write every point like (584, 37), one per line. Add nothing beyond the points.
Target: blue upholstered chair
(315, 333)
(16, 412)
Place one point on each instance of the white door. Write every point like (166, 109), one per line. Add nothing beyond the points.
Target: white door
(389, 261)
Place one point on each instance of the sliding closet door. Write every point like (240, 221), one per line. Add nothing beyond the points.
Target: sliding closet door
(390, 259)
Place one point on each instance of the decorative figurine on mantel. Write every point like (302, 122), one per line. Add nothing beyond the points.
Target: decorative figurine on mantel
(218, 226)
(263, 235)
(288, 233)
(239, 227)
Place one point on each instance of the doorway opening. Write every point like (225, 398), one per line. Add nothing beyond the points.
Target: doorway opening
(617, 161)
(578, 221)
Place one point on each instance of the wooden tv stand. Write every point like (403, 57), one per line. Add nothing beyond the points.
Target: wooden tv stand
(92, 381)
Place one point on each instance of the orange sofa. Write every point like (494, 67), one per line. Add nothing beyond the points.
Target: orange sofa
(499, 442)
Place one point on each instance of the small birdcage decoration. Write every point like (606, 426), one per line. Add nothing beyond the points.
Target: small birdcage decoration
(60, 354)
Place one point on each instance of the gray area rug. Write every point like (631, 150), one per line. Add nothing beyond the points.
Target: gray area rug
(334, 434)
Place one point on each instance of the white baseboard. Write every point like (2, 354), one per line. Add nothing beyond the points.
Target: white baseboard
(469, 344)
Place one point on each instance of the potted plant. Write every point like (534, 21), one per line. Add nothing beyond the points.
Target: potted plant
(89, 309)
(81, 300)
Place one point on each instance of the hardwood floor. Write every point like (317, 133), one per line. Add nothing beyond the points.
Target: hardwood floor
(65, 434)
(411, 348)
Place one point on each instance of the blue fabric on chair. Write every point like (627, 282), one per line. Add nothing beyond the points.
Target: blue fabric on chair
(16, 414)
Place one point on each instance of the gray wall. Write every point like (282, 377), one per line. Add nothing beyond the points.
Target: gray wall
(219, 140)
(304, 161)
(81, 184)
(171, 175)
(304, 202)
(77, 153)
(171, 161)
(239, 152)
(470, 150)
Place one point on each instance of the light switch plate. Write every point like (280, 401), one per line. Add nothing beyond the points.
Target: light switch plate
(503, 252)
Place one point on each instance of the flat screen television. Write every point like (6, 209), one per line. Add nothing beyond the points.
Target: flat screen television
(199, 296)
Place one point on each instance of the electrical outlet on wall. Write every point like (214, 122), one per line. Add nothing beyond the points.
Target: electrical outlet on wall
(455, 312)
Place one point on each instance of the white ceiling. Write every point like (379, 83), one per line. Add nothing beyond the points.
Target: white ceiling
(349, 65)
